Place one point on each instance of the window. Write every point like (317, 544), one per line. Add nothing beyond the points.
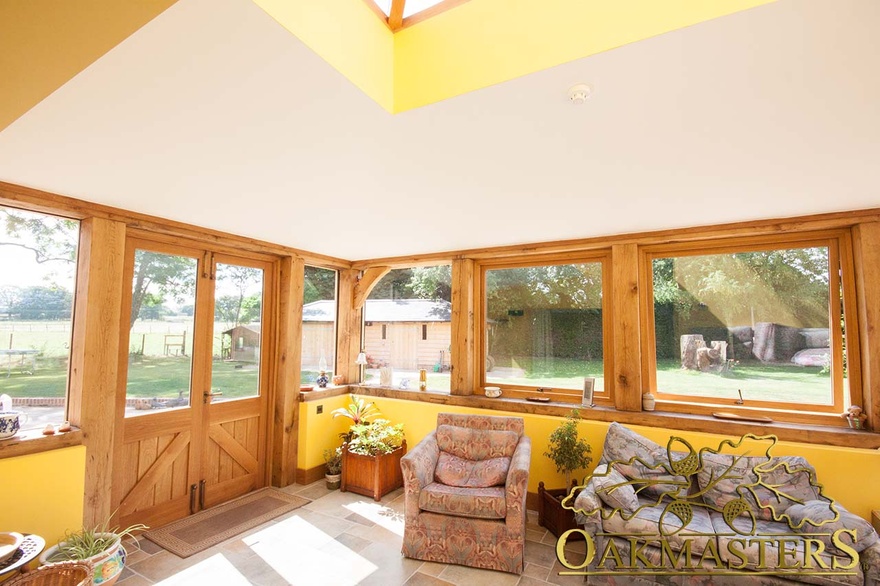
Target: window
(751, 325)
(37, 284)
(544, 328)
(319, 324)
(395, 334)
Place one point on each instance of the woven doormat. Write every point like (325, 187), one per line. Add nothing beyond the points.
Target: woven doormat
(202, 530)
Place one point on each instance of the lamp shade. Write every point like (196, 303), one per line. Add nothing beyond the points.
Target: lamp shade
(361, 359)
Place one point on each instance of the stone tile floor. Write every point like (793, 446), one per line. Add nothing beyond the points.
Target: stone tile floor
(341, 539)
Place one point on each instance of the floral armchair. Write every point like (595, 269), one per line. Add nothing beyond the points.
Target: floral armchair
(465, 487)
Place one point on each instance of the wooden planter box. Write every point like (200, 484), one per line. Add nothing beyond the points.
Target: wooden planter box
(552, 516)
(373, 476)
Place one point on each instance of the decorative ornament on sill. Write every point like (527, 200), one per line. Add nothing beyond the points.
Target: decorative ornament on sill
(323, 380)
(648, 402)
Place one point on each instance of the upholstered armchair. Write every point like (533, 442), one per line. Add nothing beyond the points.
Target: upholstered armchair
(465, 488)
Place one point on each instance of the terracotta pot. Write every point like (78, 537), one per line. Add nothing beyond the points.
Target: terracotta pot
(106, 565)
(333, 481)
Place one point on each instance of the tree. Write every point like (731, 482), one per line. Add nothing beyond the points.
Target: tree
(320, 284)
(50, 238)
(170, 274)
(236, 311)
(243, 280)
(43, 303)
(432, 282)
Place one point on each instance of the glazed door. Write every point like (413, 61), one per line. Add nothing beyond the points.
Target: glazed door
(192, 408)
(235, 406)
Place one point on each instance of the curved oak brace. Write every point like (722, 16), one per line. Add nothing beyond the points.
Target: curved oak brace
(365, 284)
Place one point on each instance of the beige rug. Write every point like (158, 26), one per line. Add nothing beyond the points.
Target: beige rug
(209, 527)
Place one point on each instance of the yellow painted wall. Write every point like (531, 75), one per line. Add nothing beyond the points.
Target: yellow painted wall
(347, 35)
(484, 42)
(44, 43)
(844, 472)
(43, 493)
(319, 432)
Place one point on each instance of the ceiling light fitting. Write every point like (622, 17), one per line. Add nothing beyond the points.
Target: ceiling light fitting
(580, 93)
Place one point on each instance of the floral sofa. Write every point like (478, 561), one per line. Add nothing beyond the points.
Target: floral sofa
(727, 515)
(465, 488)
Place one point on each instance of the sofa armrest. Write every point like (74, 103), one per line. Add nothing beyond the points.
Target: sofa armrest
(418, 471)
(517, 487)
(870, 560)
(588, 509)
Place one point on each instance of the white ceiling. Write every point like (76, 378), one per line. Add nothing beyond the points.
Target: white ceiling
(213, 114)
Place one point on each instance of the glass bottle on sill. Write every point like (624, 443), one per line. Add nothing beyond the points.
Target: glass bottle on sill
(423, 379)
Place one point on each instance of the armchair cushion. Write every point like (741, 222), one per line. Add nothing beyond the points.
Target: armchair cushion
(454, 471)
(613, 489)
(481, 503)
(637, 457)
(476, 444)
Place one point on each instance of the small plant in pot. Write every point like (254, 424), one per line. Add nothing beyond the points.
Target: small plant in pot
(371, 458)
(101, 547)
(569, 453)
(333, 461)
(359, 411)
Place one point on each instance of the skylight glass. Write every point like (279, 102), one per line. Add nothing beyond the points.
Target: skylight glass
(384, 6)
(413, 6)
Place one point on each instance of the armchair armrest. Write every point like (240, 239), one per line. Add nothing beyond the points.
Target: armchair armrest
(418, 467)
(517, 486)
(588, 509)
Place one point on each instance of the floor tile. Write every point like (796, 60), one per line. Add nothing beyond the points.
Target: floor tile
(465, 576)
(420, 579)
(536, 571)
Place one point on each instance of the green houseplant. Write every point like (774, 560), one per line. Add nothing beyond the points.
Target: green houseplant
(372, 451)
(569, 452)
(99, 546)
(333, 461)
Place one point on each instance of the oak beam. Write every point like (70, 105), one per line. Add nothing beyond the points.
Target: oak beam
(348, 327)
(866, 249)
(285, 426)
(365, 284)
(463, 348)
(627, 379)
(395, 18)
(94, 357)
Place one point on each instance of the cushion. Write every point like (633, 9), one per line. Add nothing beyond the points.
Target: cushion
(476, 444)
(454, 471)
(724, 478)
(613, 489)
(623, 445)
(809, 517)
(481, 503)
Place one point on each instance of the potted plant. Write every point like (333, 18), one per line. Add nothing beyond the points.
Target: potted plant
(359, 411)
(569, 453)
(371, 458)
(100, 547)
(333, 461)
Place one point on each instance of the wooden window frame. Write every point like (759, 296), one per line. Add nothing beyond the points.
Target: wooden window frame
(840, 254)
(603, 257)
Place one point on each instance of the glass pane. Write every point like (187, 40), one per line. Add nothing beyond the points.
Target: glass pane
(160, 341)
(407, 328)
(756, 322)
(544, 326)
(37, 284)
(238, 310)
(319, 325)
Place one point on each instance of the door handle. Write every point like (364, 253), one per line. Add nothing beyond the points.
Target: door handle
(208, 395)
(202, 495)
(192, 499)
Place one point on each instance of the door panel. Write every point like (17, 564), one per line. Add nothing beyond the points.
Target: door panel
(177, 451)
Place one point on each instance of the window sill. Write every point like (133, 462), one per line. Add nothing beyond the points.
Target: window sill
(32, 441)
(793, 432)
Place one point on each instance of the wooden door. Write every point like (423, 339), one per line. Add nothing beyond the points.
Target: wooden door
(405, 345)
(233, 463)
(178, 448)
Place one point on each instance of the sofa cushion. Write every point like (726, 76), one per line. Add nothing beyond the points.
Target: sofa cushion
(638, 458)
(455, 471)
(612, 487)
(482, 503)
(725, 477)
(750, 547)
(650, 517)
(476, 444)
(808, 518)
